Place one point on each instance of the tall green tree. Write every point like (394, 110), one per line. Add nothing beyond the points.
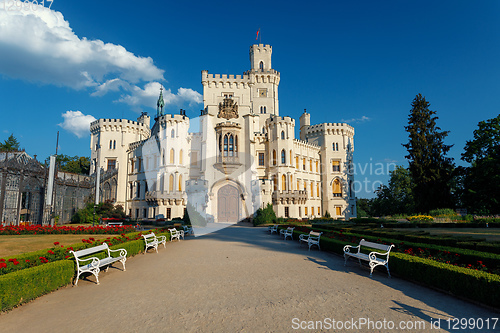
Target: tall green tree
(397, 196)
(481, 188)
(430, 169)
(74, 164)
(10, 144)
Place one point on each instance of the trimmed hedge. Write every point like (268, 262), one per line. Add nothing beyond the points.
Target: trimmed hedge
(474, 285)
(27, 284)
(23, 286)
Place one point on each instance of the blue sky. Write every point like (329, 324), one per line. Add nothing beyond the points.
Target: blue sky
(360, 62)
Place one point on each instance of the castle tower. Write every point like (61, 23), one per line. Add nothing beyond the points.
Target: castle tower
(305, 122)
(260, 57)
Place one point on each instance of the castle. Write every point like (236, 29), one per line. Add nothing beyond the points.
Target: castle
(237, 156)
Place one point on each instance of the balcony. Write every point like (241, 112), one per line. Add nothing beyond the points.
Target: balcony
(227, 164)
(157, 197)
(289, 197)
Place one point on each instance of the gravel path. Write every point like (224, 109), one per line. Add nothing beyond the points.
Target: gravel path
(239, 279)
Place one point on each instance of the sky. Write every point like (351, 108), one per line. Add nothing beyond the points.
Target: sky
(359, 62)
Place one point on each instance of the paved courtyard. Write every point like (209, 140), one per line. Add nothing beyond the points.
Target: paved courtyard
(240, 279)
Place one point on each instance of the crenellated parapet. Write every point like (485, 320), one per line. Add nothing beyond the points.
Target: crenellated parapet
(330, 129)
(119, 125)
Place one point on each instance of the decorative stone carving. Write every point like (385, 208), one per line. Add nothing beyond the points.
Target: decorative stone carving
(228, 109)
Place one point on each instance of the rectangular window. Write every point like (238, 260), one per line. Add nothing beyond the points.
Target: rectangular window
(305, 211)
(319, 213)
(300, 211)
(169, 213)
(297, 162)
(111, 164)
(336, 166)
(261, 159)
(145, 213)
(287, 213)
(338, 210)
(304, 164)
(137, 212)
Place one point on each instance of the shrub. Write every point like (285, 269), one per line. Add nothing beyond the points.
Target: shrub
(443, 212)
(23, 286)
(264, 216)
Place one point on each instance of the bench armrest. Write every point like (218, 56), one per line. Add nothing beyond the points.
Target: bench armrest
(123, 252)
(373, 255)
(162, 238)
(348, 248)
(95, 261)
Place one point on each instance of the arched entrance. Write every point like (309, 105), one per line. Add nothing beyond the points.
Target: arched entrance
(228, 203)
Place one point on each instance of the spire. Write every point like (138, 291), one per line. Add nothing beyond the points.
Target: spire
(160, 104)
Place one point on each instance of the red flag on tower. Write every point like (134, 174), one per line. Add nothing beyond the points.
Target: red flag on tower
(257, 37)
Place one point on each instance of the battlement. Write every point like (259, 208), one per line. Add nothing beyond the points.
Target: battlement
(173, 117)
(305, 144)
(261, 47)
(110, 124)
(224, 78)
(331, 129)
(280, 120)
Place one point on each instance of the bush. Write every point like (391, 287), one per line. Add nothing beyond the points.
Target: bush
(443, 212)
(264, 216)
(23, 286)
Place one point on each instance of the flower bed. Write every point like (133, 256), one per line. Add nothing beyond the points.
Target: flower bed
(49, 230)
(59, 252)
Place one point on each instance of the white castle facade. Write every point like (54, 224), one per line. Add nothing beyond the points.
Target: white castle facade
(242, 155)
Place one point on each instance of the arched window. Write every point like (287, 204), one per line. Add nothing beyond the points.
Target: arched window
(283, 157)
(283, 182)
(180, 183)
(172, 154)
(138, 190)
(220, 145)
(225, 145)
(265, 111)
(171, 183)
(274, 157)
(282, 135)
(235, 145)
(172, 134)
(180, 157)
(261, 66)
(337, 188)
(231, 145)
(275, 182)
(337, 147)
(263, 130)
(291, 182)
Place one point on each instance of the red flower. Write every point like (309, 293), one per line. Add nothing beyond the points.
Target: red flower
(16, 262)
(51, 252)
(3, 265)
(56, 243)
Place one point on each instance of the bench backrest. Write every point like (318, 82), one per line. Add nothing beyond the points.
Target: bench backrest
(172, 230)
(151, 235)
(315, 234)
(95, 249)
(289, 230)
(377, 246)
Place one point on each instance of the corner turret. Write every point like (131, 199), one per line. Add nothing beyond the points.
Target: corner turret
(305, 122)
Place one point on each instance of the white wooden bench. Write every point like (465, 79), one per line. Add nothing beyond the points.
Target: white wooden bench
(174, 233)
(273, 228)
(288, 232)
(153, 241)
(374, 258)
(311, 239)
(95, 264)
(115, 224)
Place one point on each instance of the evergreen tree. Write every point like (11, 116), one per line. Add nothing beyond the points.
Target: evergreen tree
(430, 169)
(10, 144)
(481, 190)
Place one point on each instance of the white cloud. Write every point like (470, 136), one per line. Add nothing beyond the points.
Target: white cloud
(77, 123)
(41, 46)
(5, 131)
(357, 120)
(148, 96)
